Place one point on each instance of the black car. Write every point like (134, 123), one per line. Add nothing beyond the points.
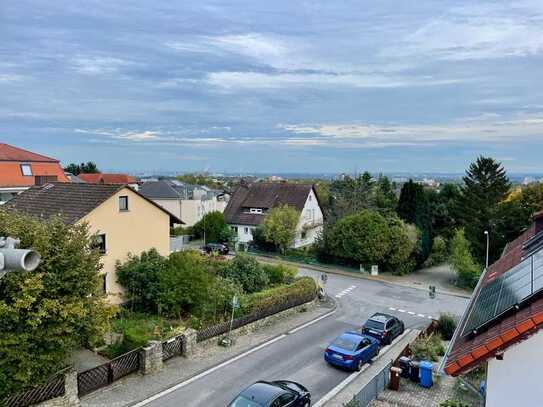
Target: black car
(280, 393)
(216, 247)
(383, 327)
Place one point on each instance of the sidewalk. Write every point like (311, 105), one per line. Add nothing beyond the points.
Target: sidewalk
(137, 387)
(439, 276)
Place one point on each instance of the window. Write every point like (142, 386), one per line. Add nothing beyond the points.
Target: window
(99, 242)
(26, 170)
(310, 197)
(246, 231)
(304, 234)
(234, 228)
(285, 399)
(255, 210)
(123, 203)
(44, 179)
(104, 282)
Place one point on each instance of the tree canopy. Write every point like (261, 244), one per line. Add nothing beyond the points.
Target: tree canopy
(279, 227)
(215, 227)
(86, 168)
(47, 313)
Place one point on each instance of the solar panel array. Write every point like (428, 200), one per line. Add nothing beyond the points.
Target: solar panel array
(509, 290)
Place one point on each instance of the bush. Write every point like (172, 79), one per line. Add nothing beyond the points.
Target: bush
(216, 229)
(428, 347)
(446, 326)
(280, 273)
(439, 252)
(303, 287)
(180, 231)
(247, 272)
(467, 270)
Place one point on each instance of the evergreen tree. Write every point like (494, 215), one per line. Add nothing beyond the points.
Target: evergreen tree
(485, 185)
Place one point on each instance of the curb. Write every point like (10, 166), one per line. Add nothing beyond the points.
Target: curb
(357, 275)
(212, 368)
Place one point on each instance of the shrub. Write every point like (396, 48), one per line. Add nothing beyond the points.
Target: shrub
(216, 229)
(280, 273)
(467, 270)
(247, 272)
(303, 287)
(439, 252)
(446, 326)
(180, 231)
(428, 347)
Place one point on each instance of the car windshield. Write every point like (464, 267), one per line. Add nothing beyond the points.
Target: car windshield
(243, 401)
(375, 325)
(345, 343)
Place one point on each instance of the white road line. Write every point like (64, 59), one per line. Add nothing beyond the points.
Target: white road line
(421, 315)
(410, 312)
(430, 317)
(392, 308)
(401, 310)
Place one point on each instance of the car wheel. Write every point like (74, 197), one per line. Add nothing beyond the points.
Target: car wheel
(359, 365)
(307, 404)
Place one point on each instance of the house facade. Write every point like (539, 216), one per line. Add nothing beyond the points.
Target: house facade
(188, 202)
(250, 204)
(502, 324)
(120, 219)
(20, 169)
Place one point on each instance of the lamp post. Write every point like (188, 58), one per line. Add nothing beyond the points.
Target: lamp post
(487, 246)
(204, 219)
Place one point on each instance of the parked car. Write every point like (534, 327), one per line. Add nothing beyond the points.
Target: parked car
(216, 247)
(383, 327)
(351, 350)
(280, 393)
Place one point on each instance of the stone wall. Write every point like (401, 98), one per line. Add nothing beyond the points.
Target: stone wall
(70, 398)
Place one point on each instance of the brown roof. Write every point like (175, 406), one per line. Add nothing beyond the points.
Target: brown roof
(264, 195)
(467, 351)
(107, 178)
(70, 201)
(11, 153)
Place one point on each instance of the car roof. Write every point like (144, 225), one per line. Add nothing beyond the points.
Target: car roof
(352, 335)
(262, 392)
(380, 317)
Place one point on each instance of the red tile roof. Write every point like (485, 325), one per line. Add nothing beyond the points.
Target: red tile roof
(466, 352)
(107, 178)
(11, 153)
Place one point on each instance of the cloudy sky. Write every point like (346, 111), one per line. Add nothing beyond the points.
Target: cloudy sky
(274, 86)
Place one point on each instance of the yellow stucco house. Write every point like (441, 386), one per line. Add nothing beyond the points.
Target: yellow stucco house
(121, 220)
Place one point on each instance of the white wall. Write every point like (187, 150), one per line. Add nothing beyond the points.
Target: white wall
(516, 380)
(245, 234)
(311, 221)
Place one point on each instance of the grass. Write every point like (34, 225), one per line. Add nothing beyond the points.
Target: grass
(138, 329)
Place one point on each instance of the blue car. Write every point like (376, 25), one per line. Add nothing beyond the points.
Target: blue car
(352, 350)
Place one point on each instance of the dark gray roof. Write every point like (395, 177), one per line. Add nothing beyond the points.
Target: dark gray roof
(70, 201)
(162, 190)
(264, 195)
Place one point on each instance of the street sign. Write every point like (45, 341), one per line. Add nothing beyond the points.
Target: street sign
(235, 302)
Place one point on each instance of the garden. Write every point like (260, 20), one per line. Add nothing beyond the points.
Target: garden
(166, 295)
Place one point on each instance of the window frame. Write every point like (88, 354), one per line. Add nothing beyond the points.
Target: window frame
(255, 211)
(126, 208)
(29, 166)
(100, 245)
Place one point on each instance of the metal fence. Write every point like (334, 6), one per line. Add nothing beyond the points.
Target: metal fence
(222, 328)
(100, 376)
(173, 347)
(375, 386)
(53, 388)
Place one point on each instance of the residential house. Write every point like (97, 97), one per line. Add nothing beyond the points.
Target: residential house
(20, 169)
(103, 178)
(503, 323)
(250, 203)
(122, 220)
(187, 202)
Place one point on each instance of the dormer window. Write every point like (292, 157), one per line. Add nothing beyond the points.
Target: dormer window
(255, 210)
(26, 170)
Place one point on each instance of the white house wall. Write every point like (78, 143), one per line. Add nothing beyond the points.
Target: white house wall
(516, 380)
(311, 219)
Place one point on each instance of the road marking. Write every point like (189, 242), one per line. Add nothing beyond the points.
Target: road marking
(332, 393)
(430, 317)
(410, 312)
(392, 308)
(401, 310)
(228, 362)
(420, 315)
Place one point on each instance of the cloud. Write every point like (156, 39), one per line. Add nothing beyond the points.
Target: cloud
(97, 65)
(8, 78)
(138, 136)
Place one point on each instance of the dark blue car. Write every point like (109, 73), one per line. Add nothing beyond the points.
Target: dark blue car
(352, 350)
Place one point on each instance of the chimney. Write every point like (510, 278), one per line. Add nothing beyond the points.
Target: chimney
(538, 220)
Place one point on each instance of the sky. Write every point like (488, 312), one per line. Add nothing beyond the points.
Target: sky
(274, 86)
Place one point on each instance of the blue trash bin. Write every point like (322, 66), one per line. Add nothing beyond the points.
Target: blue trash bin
(425, 368)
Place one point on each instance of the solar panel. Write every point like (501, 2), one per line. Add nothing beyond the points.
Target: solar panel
(506, 292)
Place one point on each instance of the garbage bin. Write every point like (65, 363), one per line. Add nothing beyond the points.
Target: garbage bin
(414, 371)
(394, 383)
(404, 363)
(426, 374)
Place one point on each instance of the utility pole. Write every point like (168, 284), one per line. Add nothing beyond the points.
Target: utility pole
(14, 259)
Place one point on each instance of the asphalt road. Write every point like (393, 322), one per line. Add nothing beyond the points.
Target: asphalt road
(299, 356)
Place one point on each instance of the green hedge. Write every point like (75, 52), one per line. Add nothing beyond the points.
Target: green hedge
(303, 287)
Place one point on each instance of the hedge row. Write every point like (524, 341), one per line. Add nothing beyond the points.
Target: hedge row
(303, 287)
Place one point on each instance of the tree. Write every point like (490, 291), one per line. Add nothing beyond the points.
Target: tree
(47, 313)
(216, 229)
(443, 209)
(462, 262)
(413, 208)
(139, 276)
(485, 186)
(385, 197)
(279, 226)
(85, 168)
(184, 285)
(247, 272)
(350, 195)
